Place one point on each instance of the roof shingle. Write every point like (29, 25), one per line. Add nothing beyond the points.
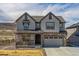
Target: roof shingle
(38, 18)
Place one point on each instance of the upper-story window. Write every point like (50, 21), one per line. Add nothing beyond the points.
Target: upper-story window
(50, 16)
(50, 25)
(37, 26)
(26, 24)
(61, 25)
(62, 28)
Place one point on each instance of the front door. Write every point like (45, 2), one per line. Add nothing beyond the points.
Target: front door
(37, 39)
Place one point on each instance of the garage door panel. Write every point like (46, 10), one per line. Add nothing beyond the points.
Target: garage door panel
(53, 42)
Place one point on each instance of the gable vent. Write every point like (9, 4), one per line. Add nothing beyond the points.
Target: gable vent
(50, 16)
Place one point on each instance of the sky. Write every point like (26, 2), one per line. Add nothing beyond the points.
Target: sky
(9, 12)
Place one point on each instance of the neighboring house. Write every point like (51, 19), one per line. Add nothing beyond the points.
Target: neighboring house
(40, 31)
(73, 35)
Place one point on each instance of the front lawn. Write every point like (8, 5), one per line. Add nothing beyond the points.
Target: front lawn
(28, 52)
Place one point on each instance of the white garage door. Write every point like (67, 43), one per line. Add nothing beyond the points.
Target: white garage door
(53, 42)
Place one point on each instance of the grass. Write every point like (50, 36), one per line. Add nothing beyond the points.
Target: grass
(28, 52)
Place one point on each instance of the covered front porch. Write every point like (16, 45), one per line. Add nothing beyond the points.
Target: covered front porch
(28, 40)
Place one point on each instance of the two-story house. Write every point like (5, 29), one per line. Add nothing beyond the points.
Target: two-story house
(40, 31)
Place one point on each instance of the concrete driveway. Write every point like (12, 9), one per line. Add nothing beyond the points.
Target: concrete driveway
(62, 51)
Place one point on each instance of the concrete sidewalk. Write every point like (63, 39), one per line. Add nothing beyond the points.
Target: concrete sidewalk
(62, 51)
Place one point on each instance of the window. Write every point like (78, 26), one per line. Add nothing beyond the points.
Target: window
(50, 16)
(51, 37)
(37, 26)
(55, 37)
(48, 36)
(26, 25)
(61, 25)
(50, 25)
(60, 37)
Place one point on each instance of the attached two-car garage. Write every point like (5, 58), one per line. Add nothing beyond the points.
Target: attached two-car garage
(52, 41)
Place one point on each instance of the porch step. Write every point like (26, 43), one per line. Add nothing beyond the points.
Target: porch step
(24, 46)
(38, 46)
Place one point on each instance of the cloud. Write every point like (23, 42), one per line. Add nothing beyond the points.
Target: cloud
(4, 17)
(16, 10)
(56, 8)
(9, 12)
(70, 12)
(13, 11)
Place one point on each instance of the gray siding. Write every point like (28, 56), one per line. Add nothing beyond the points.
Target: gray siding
(43, 24)
(20, 25)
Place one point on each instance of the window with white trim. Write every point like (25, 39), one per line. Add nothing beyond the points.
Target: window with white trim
(50, 25)
(26, 25)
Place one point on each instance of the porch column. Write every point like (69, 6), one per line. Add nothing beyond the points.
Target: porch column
(42, 39)
(33, 39)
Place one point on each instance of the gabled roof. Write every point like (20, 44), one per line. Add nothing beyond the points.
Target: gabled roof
(25, 14)
(40, 18)
(37, 18)
(59, 18)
